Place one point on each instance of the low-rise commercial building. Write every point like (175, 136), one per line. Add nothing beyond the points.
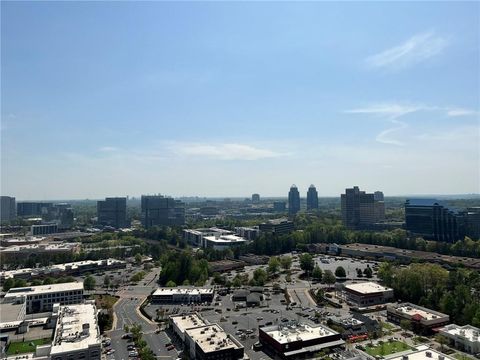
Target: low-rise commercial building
(211, 342)
(73, 268)
(464, 338)
(277, 226)
(195, 236)
(182, 295)
(294, 340)
(44, 229)
(223, 242)
(76, 336)
(423, 320)
(249, 233)
(181, 323)
(42, 298)
(423, 353)
(49, 248)
(367, 294)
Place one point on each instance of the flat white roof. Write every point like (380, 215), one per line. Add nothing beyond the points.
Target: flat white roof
(42, 247)
(225, 239)
(184, 322)
(422, 355)
(301, 332)
(471, 333)
(212, 338)
(367, 288)
(412, 310)
(44, 289)
(69, 332)
(182, 291)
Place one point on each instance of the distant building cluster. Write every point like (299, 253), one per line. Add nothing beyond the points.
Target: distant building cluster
(159, 210)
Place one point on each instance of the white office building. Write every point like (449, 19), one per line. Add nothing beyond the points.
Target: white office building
(464, 338)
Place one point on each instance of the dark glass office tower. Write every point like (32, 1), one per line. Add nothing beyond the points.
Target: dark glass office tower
(112, 212)
(159, 210)
(312, 198)
(293, 200)
(433, 220)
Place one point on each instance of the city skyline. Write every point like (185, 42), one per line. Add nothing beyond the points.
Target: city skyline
(107, 99)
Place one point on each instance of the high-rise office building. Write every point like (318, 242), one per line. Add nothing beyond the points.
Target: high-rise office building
(433, 220)
(8, 210)
(61, 214)
(255, 198)
(293, 200)
(28, 208)
(112, 212)
(378, 196)
(473, 222)
(159, 210)
(360, 210)
(312, 198)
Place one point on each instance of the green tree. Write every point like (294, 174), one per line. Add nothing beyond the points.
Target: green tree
(406, 325)
(317, 273)
(106, 281)
(328, 277)
(89, 283)
(306, 262)
(259, 277)
(8, 284)
(273, 265)
(441, 339)
(138, 258)
(171, 284)
(340, 272)
(368, 272)
(359, 273)
(286, 262)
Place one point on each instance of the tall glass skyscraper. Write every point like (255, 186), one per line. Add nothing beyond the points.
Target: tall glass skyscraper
(312, 198)
(293, 200)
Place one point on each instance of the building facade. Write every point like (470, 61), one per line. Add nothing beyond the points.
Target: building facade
(294, 340)
(42, 298)
(279, 206)
(28, 208)
(360, 210)
(367, 294)
(183, 295)
(8, 210)
(312, 198)
(433, 220)
(423, 320)
(255, 198)
(293, 200)
(277, 226)
(112, 212)
(158, 210)
(44, 229)
(465, 338)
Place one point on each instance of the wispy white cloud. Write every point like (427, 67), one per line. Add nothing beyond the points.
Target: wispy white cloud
(224, 151)
(416, 49)
(390, 110)
(384, 136)
(460, 112)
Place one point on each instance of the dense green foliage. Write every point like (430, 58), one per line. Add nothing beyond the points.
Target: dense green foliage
(456, 293)
(181, 266)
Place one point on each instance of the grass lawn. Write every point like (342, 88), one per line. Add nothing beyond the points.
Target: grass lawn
(387, 326)
(386, 348)
(25, 347)
(105, 301)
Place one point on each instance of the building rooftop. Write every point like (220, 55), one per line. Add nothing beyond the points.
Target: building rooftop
(184, 322)
(76, 328)
(225, 239)
(419, 312)
(469, 332)
(12, 312)
(297, 332)
(212, 338)
(44, 289)
(424, 354)
(367, 288)
(40, 247)
(178, 291)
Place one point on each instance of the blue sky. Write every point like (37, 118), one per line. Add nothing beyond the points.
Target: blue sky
(231, 98)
